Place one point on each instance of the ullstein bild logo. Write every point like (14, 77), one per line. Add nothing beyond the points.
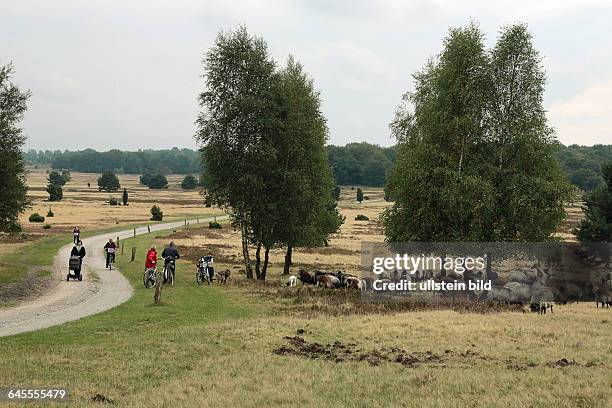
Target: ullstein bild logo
(482, 271)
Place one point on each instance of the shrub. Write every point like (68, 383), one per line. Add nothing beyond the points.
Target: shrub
(36, 217)
(361, 217)
(366, 198)
(57, 178)
(125, 196)
(190, 182)
(156, 213)
(47, 226)
(108, 181)
(50, 213)
(214, 225)
(55, 192)
(359, 195)
(155, 181)
(113, 201)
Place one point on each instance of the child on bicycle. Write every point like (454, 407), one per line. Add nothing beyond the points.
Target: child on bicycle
(110, 248)
(151, 261)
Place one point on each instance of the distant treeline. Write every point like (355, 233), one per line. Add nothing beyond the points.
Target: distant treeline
(354, 164)
(173, 161)
(583, 164)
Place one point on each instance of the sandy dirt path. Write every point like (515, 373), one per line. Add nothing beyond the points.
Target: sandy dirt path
(100, 289)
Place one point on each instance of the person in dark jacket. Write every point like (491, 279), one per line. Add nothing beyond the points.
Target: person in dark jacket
(78, 250)
(171, 251)
(76, 235)
(109, 248)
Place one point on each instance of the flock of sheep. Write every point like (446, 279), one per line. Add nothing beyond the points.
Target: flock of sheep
(536, 287)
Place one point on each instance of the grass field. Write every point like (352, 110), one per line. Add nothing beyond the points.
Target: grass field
(254, 344)
(225, 346)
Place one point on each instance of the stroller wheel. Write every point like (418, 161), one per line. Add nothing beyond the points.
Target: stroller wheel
(80, 278)
(68, 278)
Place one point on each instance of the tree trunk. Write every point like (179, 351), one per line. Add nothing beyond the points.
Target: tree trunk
(258, 261)
(288, 259)
(158, 288)
(265, 264)
(245, 252)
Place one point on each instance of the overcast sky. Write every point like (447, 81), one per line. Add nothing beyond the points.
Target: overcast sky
(126, 74)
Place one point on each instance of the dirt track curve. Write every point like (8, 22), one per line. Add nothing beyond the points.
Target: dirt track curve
(100, 289)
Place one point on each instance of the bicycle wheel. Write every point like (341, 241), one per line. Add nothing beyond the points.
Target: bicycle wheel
(148, 281)
(171, 277)
(199, 277)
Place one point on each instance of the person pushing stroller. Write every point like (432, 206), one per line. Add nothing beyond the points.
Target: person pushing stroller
(76, 260)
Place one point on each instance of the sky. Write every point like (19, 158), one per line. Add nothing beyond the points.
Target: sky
(126, 74)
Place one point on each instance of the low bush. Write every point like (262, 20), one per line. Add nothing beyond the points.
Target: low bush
(214, 225)
(36, 217)
(156, 213)
(113, 201)
(47, 226)
(50, 213)
(361, 217)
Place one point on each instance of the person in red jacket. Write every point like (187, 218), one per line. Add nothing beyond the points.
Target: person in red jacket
(151, 261)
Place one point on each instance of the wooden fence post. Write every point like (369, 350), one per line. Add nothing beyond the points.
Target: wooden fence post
(149, 229)
(133, 254)
(122, 244)
(158, 288)
(134, 232)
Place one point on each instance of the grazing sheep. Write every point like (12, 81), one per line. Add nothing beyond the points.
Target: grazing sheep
(363, 285)
(328, 281)
(571, 291)
(518, 276)
(223, 276)
(306, 278)
(351, 282)
(292, 281)
(603, 296)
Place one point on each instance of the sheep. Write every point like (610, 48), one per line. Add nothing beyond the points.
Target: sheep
(224, 276)
(328, 281)
(363, 284)
(603, 296)
(306, 278)
(351, 282)
(292, 281)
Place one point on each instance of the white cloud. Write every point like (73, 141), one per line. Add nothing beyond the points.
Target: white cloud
(585, 118)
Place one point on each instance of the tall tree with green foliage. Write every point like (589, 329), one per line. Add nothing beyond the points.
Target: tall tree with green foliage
(190, 182)
(108, 181)
(234, 126)
(301, 179)
(359, 195)
(597, 224)
(13, 105)
(475, 159)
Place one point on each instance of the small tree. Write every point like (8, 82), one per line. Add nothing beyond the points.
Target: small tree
(155, 182)
(55, 177)
(125, 196)
(108, 181)
(88, 185)
(50, 213)
(359, 195)
(55, 192)
(156, 213)
(189, 182)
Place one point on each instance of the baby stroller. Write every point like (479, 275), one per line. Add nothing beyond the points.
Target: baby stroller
(74, 265)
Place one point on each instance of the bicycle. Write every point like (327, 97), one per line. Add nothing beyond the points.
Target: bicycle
(111, 258)
(202, 270)
(169, 269)
(150, 277)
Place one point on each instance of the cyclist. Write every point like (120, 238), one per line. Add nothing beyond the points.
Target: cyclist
(151, 261)
(172, 253)
(109, 248)
(76, 235)
(211, 270)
